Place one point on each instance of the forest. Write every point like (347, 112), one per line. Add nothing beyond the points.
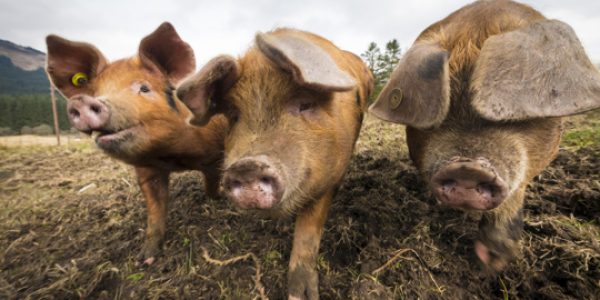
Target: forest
(19, 112)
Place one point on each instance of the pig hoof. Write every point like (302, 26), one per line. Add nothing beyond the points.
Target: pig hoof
(147, 256)
(498, 243)
(144, 262)
(494, 260)
(303, 284)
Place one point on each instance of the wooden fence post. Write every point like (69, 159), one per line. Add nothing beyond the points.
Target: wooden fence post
(55, 114)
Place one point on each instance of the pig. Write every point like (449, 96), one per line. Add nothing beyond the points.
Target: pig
(482, 93)
(295, 105)
(130, 108)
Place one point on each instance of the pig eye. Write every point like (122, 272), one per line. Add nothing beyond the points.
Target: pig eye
(306, 106)
(144, 88)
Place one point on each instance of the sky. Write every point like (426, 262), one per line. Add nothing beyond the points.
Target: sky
(228, 27)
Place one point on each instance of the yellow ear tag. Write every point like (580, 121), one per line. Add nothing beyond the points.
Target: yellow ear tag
(79, 79)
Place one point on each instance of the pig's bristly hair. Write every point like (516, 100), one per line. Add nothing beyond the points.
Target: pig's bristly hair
(468, 34)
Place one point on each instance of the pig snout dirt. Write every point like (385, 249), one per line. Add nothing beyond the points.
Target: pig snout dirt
(253, 182)
(88, 113)
(469, 184)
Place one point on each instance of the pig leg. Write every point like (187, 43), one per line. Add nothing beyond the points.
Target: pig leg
(500, 232)
(212, 180)
(303, 279)
(154, 184)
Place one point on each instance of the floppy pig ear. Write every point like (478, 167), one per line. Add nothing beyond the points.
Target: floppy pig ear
(309, 64)
(202, 91)
(67, 61)
(537, 71)
(418, 92)
(165, 50)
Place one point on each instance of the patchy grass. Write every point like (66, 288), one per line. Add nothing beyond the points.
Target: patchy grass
(73, 220)
(582, 131)
(582, 137)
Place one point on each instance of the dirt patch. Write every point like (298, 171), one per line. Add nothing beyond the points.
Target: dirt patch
(73, 220)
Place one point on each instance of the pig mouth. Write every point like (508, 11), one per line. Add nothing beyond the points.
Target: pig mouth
(108, 139)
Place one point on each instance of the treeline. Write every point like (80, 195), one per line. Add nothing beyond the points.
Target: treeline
(17, 111)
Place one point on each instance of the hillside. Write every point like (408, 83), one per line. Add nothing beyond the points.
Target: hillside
(22, 70)
(25, 58)
(25, 90)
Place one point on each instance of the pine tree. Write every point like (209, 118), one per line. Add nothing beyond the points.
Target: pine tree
(389, 60)
(371, 56)
(382, 64)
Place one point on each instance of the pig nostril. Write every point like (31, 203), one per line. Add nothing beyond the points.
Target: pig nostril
(234, 184)
(95, 108)
(448, 184)
(266, 180)
(74, 113)
(486, 189)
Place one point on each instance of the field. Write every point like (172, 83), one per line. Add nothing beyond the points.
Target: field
(72, 221)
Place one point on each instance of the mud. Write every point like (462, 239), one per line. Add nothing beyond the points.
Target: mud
(72, 221)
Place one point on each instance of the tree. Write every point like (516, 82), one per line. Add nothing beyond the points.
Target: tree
(371, 56)
(382, 64)
(31, 110)
(389, 60)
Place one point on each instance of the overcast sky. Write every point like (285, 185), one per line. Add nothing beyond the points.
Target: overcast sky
(225, 26)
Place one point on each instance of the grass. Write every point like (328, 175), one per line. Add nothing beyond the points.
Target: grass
(583, 137)
(582, 131)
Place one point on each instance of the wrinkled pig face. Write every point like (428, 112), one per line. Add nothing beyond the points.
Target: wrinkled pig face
(282, 134)
(279, 141)
(127, 105)
(479, 136)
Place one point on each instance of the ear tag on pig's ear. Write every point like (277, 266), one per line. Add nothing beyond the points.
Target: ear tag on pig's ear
(79, 79)
(418, 91)
(395, 99)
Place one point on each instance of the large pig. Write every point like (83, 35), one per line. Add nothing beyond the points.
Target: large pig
(130, 107)
(482, 92)
(295, 103)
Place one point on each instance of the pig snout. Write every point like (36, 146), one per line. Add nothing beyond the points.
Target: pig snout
(469, 184)
(87, 114)
(253, 182)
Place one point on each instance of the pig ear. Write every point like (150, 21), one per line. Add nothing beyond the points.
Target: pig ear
(202, 92)
(166, 51)
(418, 92)
(310, 65)
(66, 59)
(537, 71)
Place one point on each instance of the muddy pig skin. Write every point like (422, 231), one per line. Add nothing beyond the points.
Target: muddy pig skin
(130, 107)
(295, 103)
(482, 93)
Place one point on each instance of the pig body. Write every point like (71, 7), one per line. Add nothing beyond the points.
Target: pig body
(295, 102)
(130, 107)
(482, 92)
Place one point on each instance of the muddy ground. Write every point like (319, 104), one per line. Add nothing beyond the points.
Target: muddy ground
(72, 221)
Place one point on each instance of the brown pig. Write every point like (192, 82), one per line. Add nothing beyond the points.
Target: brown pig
(295, 103)
(130, 107)
(482, 92)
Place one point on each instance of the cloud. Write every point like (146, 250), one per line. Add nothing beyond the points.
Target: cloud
(225, 26)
